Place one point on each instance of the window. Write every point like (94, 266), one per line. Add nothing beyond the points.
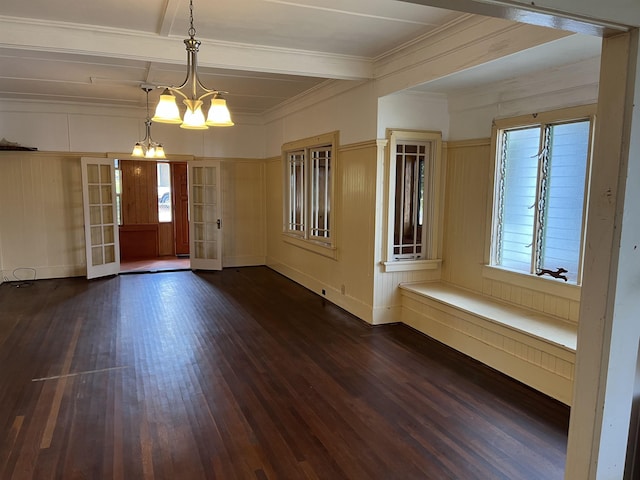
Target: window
(320, 192)
(542, 172)
(163, 171)
(118, 173)
(308, 183)
(409, 239)
(414, 200)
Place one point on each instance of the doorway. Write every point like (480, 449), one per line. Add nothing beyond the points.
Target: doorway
(152, 210)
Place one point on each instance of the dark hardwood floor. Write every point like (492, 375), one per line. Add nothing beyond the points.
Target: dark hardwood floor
(242, 374)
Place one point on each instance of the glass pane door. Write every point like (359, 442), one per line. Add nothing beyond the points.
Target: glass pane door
(100, 220)
(205, 221)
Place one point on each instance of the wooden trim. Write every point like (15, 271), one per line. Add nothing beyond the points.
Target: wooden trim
(551, 116)
(476, 142)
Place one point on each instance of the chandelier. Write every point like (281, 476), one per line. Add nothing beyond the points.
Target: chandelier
(167, 109)
(147, 147)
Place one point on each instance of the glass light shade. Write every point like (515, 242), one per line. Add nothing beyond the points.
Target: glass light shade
(193, 116)
(137, 150)
(219, 115)
(167, 109)
(160, 152)
(151, 152)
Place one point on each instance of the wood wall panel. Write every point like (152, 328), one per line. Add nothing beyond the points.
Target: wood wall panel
(138, 241)
(556, 305)
(42, 222)
(466, 194)
(180, 200)
(468, 191)
(348, 280)
(166, 244)
(243, 212)
(139, 192)
(539, 364)
(41, 215)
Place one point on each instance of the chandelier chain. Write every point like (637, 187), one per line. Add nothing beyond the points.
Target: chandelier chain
(192, 30)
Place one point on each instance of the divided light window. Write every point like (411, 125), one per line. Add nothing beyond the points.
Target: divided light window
(320, 193)
(414, 200)
(297, 194)
(409, 236)
(540, 197)
(309, 190)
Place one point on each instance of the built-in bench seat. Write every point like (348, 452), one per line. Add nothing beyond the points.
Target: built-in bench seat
(533, 347)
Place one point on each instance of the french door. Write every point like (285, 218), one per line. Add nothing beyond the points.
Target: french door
(100, 222)
(205, 222)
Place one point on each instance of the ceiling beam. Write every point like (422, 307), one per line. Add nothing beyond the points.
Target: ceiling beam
(531, 13)
(168, 17)
(125, 44)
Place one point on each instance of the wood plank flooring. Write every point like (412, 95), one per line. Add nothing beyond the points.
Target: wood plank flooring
(153, 265)
(243, 374)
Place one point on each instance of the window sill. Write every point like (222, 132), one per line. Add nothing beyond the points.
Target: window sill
(409, 265)
(546, 285)
(325, 250)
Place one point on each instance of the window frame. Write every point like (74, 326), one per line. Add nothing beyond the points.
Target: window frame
(433, 201)
(554, 117)
(304, 237)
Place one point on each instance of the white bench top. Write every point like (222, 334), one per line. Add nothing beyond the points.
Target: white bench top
(545, 327)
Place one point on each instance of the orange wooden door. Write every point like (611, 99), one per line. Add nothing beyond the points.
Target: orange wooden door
(181, 207)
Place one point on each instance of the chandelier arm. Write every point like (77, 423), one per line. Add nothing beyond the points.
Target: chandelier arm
(208, 93)
(147, 134)
(167, 109)
(178, 91)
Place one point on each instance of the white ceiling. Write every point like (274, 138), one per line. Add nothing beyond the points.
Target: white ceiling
(262, 52)
(564, 51)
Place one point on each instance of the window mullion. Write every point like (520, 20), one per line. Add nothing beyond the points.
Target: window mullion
(414, 204)
(540, 205)
(307, 201)
(315, 194)
(400, 219)
(326, 212)
(292, 192)
(501, 195)
(429, 213)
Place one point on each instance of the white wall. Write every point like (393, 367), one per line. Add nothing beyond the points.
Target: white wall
(413, 111)
(86, 128)
(347, 106)
(473, 110)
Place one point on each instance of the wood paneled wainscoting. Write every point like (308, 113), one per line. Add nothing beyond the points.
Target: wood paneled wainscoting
(526, 330)
(139, 241)
(243, 374)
